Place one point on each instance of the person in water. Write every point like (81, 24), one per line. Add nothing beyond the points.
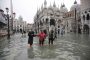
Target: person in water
(42, 37)
(30, 39)
(51, 37)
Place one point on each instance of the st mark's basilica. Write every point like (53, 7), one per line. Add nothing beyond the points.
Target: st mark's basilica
(57, 18)
(52, 17)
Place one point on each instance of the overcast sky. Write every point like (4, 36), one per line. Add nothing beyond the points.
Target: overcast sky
(27, 8)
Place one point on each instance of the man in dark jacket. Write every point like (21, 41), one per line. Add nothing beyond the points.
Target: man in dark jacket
(30, 39)
(51, 37)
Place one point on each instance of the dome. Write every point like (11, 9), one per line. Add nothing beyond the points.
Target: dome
(63, 8)
(77, 6)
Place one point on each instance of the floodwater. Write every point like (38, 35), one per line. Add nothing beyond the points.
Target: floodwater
(67, 47)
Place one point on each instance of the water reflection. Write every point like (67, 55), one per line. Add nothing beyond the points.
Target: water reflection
(23, 36)
(30, 53)
(45, 52)
(4, 48)
(68, 47)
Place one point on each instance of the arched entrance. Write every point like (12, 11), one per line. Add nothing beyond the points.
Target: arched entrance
(45, 31)
(52, 26)
(86, 29)
(52, 22)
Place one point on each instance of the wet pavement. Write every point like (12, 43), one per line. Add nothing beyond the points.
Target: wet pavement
(67, 47)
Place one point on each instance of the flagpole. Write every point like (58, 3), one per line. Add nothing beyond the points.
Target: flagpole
(11, 5)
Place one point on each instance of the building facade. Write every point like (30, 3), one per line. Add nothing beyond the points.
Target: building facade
(49, 18)
(7, 4)
(30, 27)
(73, 18)
(3, 22)
(19, 25)
(56, 18)
(85, 15)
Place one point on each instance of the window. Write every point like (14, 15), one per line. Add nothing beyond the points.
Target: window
(43, 20)
(83, 17)
(41, 23)
(57, 15)
(87, 17)
(85, 11)
(58, 26)
(46, 20)
(51, 14)
(70, 15)
(52, 22)
(59, 21)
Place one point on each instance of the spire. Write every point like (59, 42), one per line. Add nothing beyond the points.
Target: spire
(58, 5)
(54, 5)
(50, 4)
(45, 3)
(11, 6)
(75, 2)
(12, 16)
(42, 6)
(37, 12)
(37, 9)
(63, 5)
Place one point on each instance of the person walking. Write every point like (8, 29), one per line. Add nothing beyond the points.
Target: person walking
(62, 32)
(30, 39)
(42, 37)
(51, 37)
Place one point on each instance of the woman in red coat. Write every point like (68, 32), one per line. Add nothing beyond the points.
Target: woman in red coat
(42, 37)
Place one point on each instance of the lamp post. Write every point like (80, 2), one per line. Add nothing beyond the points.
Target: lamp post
(14, 14)
(11, 6)
(75, 21)
(7, 10)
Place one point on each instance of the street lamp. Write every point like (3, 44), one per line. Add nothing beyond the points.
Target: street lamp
(14, 14)
(12, 18)
(7, 10)
(75, 30)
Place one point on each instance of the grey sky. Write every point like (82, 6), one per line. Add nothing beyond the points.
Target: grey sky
(27, 8)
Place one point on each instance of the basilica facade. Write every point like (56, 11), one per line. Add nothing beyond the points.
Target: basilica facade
(48, 18)
(57, 18)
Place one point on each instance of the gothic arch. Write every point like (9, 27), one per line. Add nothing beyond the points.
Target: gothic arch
(52, 22)
(41, 23)
(88, 18)
(83, 17)
(86, 29)
(47, 20)
(59, 21)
